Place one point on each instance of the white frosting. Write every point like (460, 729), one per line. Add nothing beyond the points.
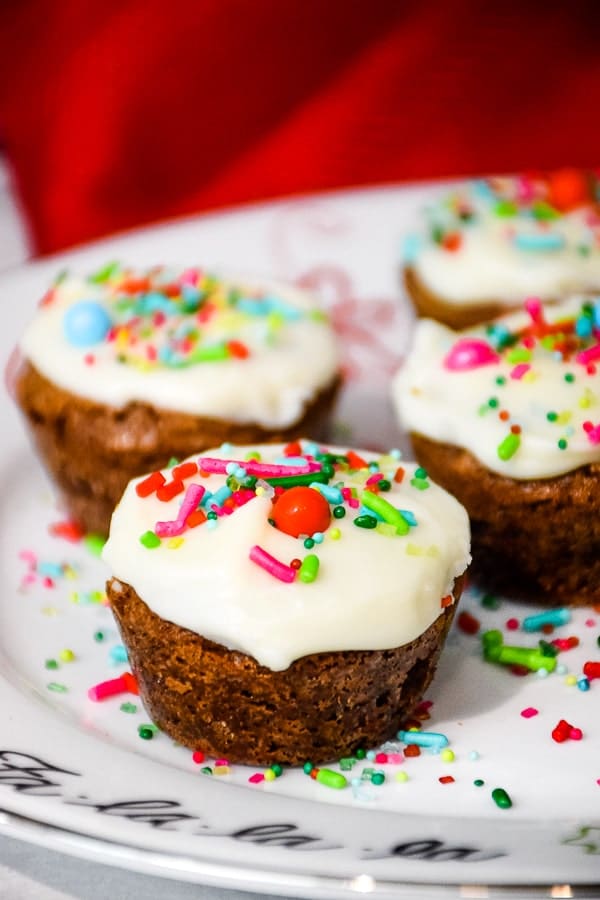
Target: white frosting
(453, 406)
(289, 360)
(489, 265)
(373, 590)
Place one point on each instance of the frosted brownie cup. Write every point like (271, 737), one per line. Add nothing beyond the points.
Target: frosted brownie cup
(487, 244)
(507, 417)
(124, 370)
(290, 603)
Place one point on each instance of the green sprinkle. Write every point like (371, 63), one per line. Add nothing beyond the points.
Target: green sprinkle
(552, 416)
(490, 602)
(332, 779)
(128, 707)
(501, 798)
(500, 380)
(347, 763)
(307, 767)
(94, 543)
(147, 732)
(493, 402)
(277, 769)
(105, 273)
(518, 355)
(384, 485)
(293, 480)
(309, 569)
(509, 446)
(206, 770)
(562, 444)
(569, 377)
(51, 664)
(339, 512)
(419, 483)
(309, 543)
(505, 208)
(365, 522)
(99, 636)
(377, 778)
(172, 462)
(421, 473)
(360, 753)
(56, 687)
(150, 540)
(384, 509)
(479, 782)
(212, 515)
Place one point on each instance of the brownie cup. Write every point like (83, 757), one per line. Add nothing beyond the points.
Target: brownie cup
(506, 417)
(294, 606)
(487, 244)
(126, 370)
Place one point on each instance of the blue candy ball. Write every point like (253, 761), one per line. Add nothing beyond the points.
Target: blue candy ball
(86, 323)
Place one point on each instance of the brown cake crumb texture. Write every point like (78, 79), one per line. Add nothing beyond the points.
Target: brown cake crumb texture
(92, 450)
(456, 315)
(533, 540)
(223, 702)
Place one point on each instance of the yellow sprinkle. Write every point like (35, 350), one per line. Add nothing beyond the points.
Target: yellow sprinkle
(69, 572)
(571, 680)
(530, 376)
(74, 597)
(587, 399)
(447, 755)
(335, 534)
(433, 550)
(401, 776)
(269, 775)
(122, 338)
(66, 655)
(175, 542)
(49, 610)
(259, 491)
(564, 417)
(385, 528)
(221, 770)
(414, 550)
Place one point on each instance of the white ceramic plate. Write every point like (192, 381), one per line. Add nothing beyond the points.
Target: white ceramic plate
(76, 776)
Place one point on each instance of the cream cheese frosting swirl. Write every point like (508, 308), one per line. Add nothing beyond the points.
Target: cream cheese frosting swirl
(358, 551)
(185, 340)
(505, 238)
(522, 394)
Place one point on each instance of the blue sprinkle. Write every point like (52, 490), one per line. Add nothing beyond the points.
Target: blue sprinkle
(431, 739)
(50, 570)
(154, 302)
(206, 497)
(311, 449)
(411, 247)
(408, 516)
(542, 241)
(364, 511)
(86, 323)
(583, 683)
(291, 461)
(318, 537)
(118, 653)
(277, 305)
(482, 189)
(219, 497)
(597, 313)
(252, 307)
(548, 617)
(331, 493)
(583, 326)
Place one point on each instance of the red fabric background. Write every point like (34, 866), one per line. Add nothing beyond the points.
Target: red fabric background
(120, 112)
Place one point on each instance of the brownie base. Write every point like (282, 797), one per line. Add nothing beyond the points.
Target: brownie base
(223, 702)
(534, 540)
(457, 316)
(92, 450)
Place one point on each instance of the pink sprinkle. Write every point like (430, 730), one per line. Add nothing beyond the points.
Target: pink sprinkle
(374, 478)
(271, 565)
(29, 578)
(520, 370)
(252, 467)
(193, 495)
(533, 305)
(221, 762)
(353, 503)
(589, 355)
(190, 276)
(395, 758)
(592, 431)
(48, 582)
(346, 493)
(28, 556)
(198, 756)
(575, 734)
(590, 623)
(470, 353)
(381, 758)
(529, 712)
(512, 624)
(256, 778)
(109, 688)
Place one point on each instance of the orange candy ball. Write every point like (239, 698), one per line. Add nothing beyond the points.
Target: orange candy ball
(568, 189)
(301, 510)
